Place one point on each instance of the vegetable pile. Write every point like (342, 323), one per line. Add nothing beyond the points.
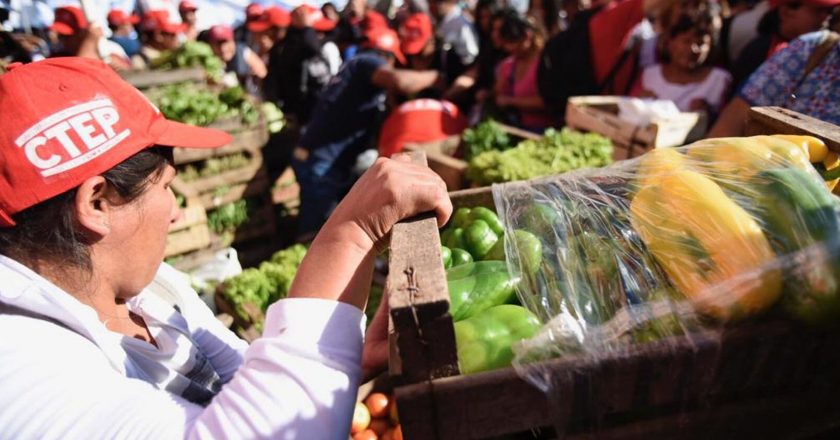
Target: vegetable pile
(191, 54)
(228, 217)
(556, 152)
(199, 106)
(486, 136)
(266, 284)
(213, 166)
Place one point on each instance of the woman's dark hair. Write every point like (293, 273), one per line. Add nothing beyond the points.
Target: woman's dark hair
(515, 27)
(492, 6)
(769, 23)
(50, 231)
(551, 15)
(700, 22)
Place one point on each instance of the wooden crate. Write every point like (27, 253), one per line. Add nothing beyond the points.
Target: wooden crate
(599, 114)
(190, 232)
(229, 186)
(760, 379)
(245, 137)
(452, 169)
(144, 79)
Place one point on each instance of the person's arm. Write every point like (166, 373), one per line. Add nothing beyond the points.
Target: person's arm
(255, 64)
(732, 120)
(406, 82)
(462, 83)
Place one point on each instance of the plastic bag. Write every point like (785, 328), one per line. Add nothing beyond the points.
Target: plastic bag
(223, 265)
(673, 243)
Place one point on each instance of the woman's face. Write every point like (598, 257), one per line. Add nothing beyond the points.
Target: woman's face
(140, 229)
(225, 50)
(518, 48)
(797, 18)
(689, 50)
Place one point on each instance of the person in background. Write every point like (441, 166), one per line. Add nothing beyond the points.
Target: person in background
(253, 12)
(422, 120)
(330, 12)
(546, 15)
(187, 10)
(417, 42)
(113, 343)
(684, 76)
(739, 30)
(267, 30)
(157, 34)
(122, 31)
(76, 37)
(239, 59)
(786, 20)
(297, 70)
(457, 36)
(515, 90)
(804, 77)
(344, 123)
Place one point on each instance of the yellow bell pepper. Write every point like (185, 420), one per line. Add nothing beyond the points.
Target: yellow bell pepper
(745, 156)
(814, 148)
(713, 251)
(658, 162)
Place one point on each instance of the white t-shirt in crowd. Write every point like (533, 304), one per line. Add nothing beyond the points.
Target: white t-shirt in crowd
(713, 88)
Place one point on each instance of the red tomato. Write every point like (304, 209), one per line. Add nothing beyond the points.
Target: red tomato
(361, 418)
(367, 434)
(379, 426)
(378, 403)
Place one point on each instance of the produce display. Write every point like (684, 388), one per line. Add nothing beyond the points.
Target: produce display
(213, 166)
(556, 152)
(486, 136)
(200, 106)
(375, 418)
(265, 284)
(191, 54)
(228, 217)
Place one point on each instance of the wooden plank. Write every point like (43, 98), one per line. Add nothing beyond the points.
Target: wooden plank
(229, 178)
(232, 193)
(778, 120)
(470, 198)
(419, 299)
(143, 79)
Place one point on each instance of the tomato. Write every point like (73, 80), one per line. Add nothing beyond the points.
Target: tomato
(361, 418)
(377, 403)
(367, 434)
(379, 426)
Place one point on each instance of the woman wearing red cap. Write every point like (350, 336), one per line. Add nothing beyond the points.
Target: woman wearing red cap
(101, 340)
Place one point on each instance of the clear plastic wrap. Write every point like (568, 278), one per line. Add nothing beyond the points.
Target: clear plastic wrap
(670, 244)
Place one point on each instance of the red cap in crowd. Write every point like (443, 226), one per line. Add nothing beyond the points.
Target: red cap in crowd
(272, 17)
(79, 124)
(118, 17)
(373, 20)
(386, 40)
(253, 12)
(415, 33)
(158, 20)
(69, 20)
(220, 33)
(187, 6)
(319, 22)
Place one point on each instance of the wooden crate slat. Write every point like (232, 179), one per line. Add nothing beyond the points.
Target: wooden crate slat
(232, 193)
(249, 139)
(778, 120)
(239, 175)
(186, 240)
(143, 79)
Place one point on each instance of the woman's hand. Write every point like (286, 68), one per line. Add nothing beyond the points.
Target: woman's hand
(339, 264)
(391, 190)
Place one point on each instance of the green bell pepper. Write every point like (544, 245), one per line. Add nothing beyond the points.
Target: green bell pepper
(474, 269)
(446, 256)
(482, 213)
(473, 294)
(528, 247)
(453, 238)
(461, 218)
(484, 341)
(479, 239)
(460, 256)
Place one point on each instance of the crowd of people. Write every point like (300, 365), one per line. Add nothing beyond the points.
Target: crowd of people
(337, 75)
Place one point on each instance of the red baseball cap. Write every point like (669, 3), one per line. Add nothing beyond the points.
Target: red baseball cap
(158, 20)
(253, 12)
(118, 17)
(415, 33)
(373, 20)
(82, 122)
(187, 6)
(387, 40)
(69, 20)
(220, 33)
(274, 16)
(319, 22)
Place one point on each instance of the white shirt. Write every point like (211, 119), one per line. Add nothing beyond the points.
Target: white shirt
(457, 31)
(713, 88)
(64, 375)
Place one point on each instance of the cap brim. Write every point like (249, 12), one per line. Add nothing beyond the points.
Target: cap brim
(176, 134)
(174, 28)
(62, 28)
(258, 26)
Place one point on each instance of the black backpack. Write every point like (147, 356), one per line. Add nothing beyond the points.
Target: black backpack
(566, 68)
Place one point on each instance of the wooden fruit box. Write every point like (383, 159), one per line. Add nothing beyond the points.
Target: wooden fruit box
(599, 114)
(452, 169)
(144, 79)
(759, 379)
(190, 232)
(213, 191)
(245, 137)
(260, 225)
